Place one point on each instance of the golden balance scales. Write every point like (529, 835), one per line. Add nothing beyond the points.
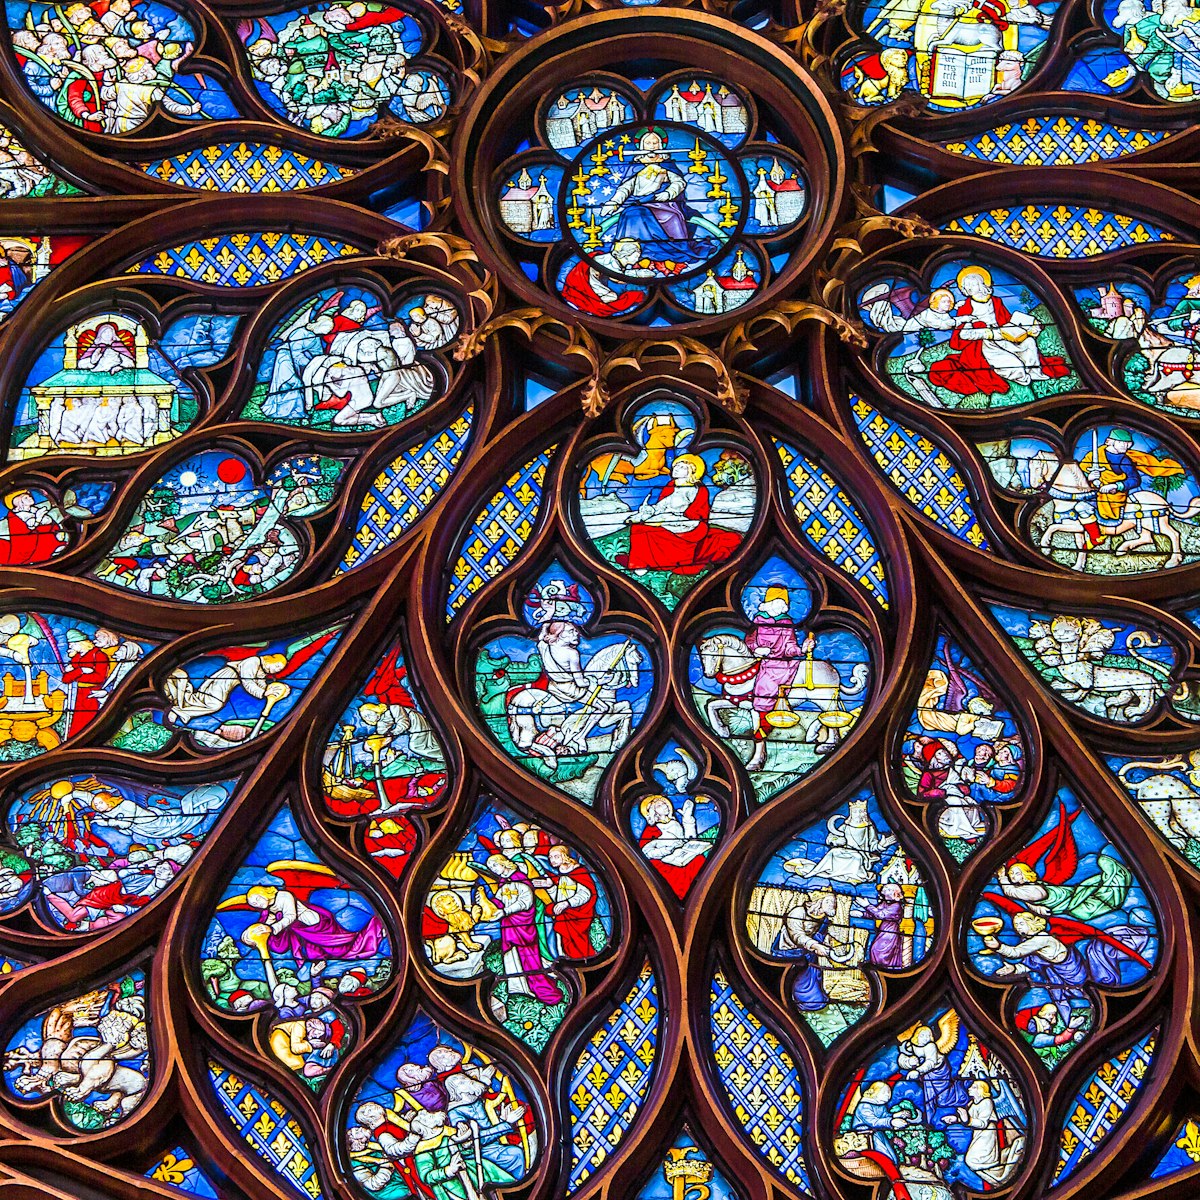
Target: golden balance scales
(783, 716)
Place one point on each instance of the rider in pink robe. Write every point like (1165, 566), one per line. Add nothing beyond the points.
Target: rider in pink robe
(773, 642)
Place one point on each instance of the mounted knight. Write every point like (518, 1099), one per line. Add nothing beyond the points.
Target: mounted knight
(772, 673)
(560, 712)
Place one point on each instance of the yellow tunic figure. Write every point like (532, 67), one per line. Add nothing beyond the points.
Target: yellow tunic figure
(1116, 468)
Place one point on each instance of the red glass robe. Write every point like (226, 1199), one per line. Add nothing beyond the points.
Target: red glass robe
(651, 547)
(678, 879)
(966, 371)
(573, 924)
(88, 671)
(22, 543)
(578, 292)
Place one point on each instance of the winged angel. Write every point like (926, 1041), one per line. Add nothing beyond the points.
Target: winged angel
(933, 1109)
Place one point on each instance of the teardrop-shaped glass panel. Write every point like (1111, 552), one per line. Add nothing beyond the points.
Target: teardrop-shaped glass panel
(1118, 501)
(228, 697)
(1167, 789)
(440, 1117)
(511, 903)
(33, 178)
(1109, 669)
(383, 760)
(333, 74)
(1065, 914)
(105, 1080)
(101, 847)
(975, 338)
(1101, 1105)
(1156, 326)
(270, 1131)
(781, 688)
(761, 1082)
(921, 471)
(207, 533)
(292, 938)
(112, 76)
(611, 1077)
(405, 489)
(933, 1106)
(103, 387)
(33, 528)
(343, 361)
(499, 532)
(962, 751)
(842, 900)
(560, 701)
(677, 828)
(666, 508)
(58, 674)
(832, 522)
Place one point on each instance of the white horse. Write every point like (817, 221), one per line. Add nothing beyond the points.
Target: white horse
(1073, 497)
(726, 658)
(547, 725)
(1173, 365)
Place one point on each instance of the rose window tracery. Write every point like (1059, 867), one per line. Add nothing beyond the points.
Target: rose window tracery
(599, 600)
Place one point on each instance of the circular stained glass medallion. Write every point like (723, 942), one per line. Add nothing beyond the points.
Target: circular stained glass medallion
(653, 192)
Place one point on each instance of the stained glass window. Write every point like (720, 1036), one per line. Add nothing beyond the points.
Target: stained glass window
(600, 599)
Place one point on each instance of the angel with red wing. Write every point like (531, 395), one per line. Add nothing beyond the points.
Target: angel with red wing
(1078, 913)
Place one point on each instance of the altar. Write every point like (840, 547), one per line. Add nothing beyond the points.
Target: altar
(106, 400)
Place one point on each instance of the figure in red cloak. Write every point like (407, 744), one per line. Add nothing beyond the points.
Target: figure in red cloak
(991, 346)
(88, 670)
(31, 533)
(574, 907)
(673, 533)
(584, 288)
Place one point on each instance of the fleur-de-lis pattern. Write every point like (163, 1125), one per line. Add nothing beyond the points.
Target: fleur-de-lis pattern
(761, 1083)
(611, 1077)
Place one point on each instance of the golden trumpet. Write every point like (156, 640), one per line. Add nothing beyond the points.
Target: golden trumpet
(256, 935)
(459, 868)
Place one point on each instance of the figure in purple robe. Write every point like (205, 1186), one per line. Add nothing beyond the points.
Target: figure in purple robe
(773, 642)
(927, 1066)
(520, 947)
(306, 931)
(808, 987)
(1064, 958)
(804, 937)
(887, 947)
(326, 939)
(422, 1085)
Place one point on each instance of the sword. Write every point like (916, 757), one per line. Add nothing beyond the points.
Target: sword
(477, 1147)
(470, 1190)
(592, 718)
(923, 390)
